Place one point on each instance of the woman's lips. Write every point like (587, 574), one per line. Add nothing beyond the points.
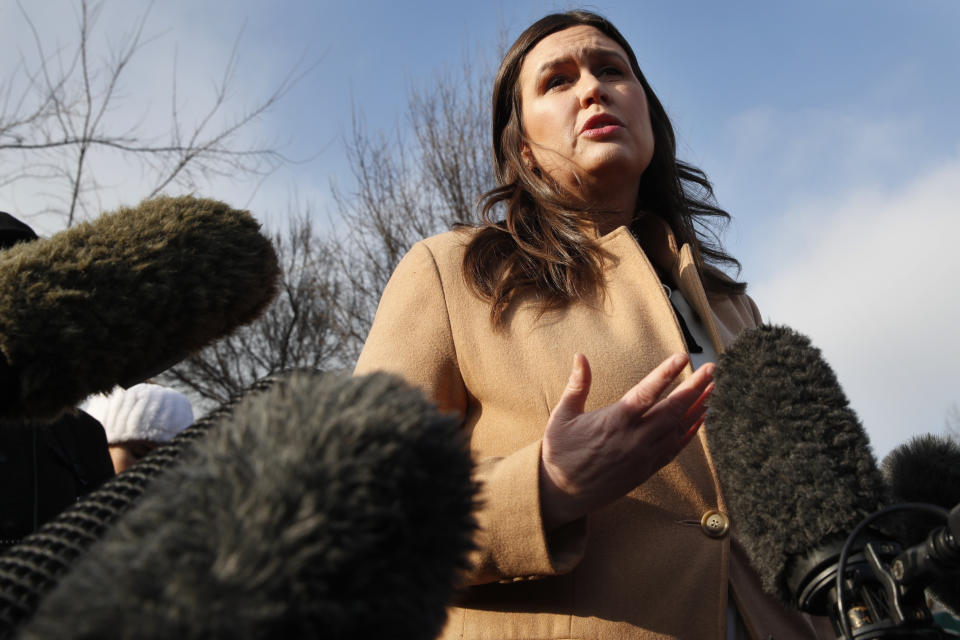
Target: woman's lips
(601, 132)
(601, 126)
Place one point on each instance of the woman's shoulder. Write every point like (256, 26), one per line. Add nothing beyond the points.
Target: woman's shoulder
(455, 238)
(446, 249)
(737, 310)
(437, 259)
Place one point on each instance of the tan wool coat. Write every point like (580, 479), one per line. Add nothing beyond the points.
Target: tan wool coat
(642, 567)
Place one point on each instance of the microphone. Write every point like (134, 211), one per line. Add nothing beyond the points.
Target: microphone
(793, 459)
(325, 506)
(123, 297)
(926, 469)
(803, 489)
(34, 567)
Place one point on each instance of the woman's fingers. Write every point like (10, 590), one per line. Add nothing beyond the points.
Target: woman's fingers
(574, 397)
(646, 393)
(590, 459)
(674, 447)
(645, 397)
(691, 432)
(674, 416)
(699, 407)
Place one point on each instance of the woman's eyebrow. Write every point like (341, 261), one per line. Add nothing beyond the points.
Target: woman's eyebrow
(582, 52)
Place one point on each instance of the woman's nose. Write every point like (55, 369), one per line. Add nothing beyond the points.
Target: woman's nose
(592, 91)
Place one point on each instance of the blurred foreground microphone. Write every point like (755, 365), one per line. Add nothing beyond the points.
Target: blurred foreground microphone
(326, 507)
(121, 298)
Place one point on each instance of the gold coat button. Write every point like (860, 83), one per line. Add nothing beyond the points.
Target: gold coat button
(715, 523)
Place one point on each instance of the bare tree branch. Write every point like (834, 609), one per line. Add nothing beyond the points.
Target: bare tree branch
(61, 112)
(405, 190)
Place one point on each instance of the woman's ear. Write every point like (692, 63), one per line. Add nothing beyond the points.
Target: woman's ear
(527, 155)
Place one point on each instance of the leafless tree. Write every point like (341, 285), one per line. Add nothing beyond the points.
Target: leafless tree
(297, 331)
(57, 116)
(424, 178)
(416, 181)
(404, 190)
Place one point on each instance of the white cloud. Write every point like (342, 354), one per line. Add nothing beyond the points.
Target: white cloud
(871, 278)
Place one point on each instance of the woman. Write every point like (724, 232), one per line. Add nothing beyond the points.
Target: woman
(598, 520)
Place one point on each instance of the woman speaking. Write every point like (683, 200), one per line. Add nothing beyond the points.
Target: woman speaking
(576, 338)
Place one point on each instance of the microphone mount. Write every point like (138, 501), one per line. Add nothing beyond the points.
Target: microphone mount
(871, 587)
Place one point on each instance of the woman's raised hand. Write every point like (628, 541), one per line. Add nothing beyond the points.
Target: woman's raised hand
(590, 459)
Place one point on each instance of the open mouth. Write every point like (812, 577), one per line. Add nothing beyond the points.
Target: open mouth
(600, 125)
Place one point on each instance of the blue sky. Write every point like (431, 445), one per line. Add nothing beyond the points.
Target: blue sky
(829, 129)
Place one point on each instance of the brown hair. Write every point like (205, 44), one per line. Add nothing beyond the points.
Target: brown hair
(541, 248)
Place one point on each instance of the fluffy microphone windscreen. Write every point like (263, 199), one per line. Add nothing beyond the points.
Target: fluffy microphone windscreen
(326, 507)
(926, 469)
(121, 298)
(793, 460)
(33, 567)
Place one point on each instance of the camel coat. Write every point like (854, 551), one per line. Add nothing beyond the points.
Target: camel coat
(646, 566)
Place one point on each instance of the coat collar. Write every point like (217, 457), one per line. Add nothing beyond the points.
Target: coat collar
(660, 247)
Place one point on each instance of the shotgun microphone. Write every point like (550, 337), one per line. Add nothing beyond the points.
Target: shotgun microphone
(803, 487)
(794, 462)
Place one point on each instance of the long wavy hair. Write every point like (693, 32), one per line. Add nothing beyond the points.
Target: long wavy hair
(542, 251)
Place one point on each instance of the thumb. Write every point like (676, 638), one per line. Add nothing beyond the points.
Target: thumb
(574, 397)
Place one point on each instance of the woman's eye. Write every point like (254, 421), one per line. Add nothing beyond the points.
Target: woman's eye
(556, 81)
(611, 71)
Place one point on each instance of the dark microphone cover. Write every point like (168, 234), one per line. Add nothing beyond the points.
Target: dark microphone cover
(33, 567)
(793, 460)
(926, 469)
(326, 507)
(123, 297)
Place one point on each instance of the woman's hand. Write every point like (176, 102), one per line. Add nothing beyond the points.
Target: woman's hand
(590, 459)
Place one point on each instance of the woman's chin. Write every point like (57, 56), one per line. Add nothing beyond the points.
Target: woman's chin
(611, 161)
(614, 174)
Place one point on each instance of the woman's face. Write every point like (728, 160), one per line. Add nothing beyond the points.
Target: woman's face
(584, 113)
(125, 454)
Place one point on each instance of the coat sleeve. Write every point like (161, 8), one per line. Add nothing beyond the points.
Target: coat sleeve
(412, 337)
(411, 334)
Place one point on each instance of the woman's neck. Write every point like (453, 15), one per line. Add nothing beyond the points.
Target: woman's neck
(608, 221)
(611, 215)
(615, 207)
